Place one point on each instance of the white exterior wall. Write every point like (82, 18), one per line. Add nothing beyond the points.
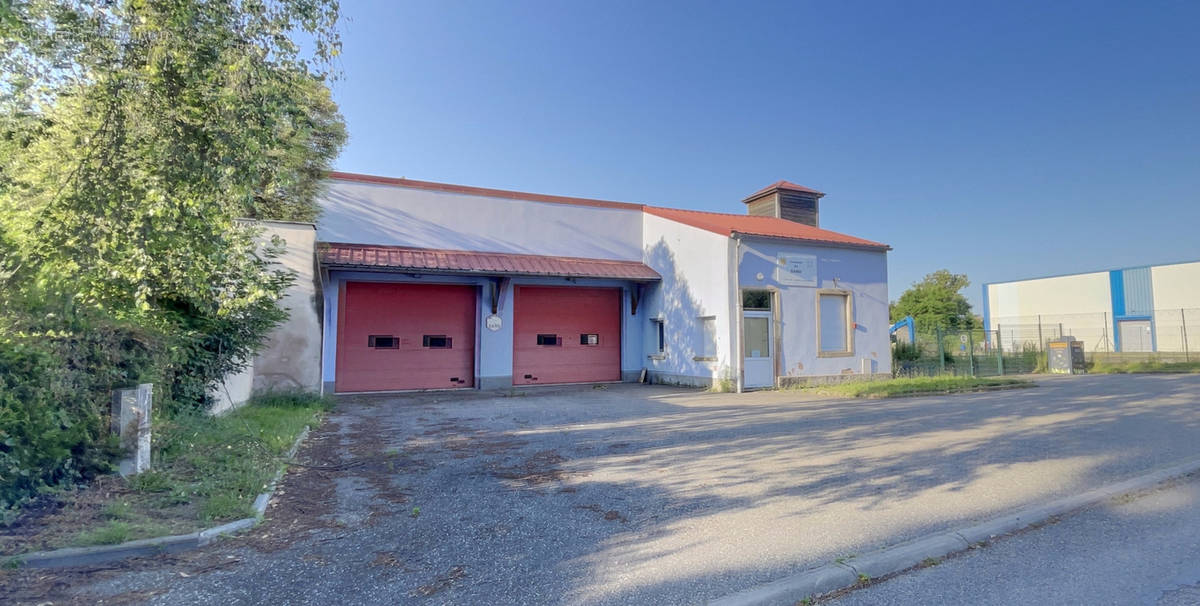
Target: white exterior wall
(1176, 286)
(365, 213)
(1080, 305)
(694, 264)
(862, 272)
(1062, 295)
(1177, 306)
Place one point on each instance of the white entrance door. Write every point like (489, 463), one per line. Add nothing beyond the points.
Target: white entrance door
(758, 359)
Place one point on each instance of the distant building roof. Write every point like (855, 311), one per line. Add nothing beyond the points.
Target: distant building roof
(407, 259)
(721, 223)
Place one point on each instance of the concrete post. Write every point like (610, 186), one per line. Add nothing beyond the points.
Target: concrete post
(131, 421)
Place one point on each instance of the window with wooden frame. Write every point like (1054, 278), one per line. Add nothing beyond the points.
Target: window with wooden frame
(835, 326)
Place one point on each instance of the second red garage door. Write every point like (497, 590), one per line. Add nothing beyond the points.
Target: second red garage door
(395, 336)
(566, 335)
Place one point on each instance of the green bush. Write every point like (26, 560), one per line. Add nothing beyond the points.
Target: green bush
(55, 394)
(905, 352)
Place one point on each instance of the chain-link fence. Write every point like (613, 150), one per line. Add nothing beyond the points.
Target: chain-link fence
(1016, 345)
(977, 353)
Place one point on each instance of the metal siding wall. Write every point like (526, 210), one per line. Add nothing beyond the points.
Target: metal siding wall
(1139, 293)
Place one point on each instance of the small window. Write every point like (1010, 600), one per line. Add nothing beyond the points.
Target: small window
(756, 300)
(437, 342)
(589, 339)
(707, 348)
(551, 340)
(833, 326)
(383, 342)
(659, 334)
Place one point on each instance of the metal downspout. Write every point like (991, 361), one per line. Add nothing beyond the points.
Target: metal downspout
(737, 310)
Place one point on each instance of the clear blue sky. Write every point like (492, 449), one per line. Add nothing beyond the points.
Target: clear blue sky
(1002, 141)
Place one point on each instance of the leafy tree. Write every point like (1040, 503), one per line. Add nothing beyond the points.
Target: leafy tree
(135, 135)
(936, 301)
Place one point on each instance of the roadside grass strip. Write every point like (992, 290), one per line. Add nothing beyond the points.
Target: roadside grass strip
(890, 388)
(205, 470)
(1109, 368)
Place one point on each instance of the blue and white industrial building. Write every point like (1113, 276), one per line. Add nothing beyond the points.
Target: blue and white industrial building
(1134, 309)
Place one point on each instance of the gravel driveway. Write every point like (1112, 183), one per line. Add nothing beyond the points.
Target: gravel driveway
(641, 494)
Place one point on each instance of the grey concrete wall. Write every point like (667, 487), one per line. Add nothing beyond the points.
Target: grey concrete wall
(291, 357)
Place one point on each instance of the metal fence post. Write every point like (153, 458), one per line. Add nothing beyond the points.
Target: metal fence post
(971, 350)
(941, 351)
(999, 352)
(1183, 325)
(1105, 328)
(1041, 341)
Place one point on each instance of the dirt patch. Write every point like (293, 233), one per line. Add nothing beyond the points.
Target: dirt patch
(540, 468)
(441, 583)
(610, 515)
(37, 586)
(304, 499)
(56, 520)
(387, 559)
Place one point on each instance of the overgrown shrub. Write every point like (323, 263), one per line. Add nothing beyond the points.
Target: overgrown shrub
(55, 389)
(905, 352)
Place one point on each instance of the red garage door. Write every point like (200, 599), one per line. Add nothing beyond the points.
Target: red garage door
(405, 336)
(566, 335)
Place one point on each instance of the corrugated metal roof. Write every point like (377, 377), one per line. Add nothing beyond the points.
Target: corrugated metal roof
(428, 260)
(751, 225)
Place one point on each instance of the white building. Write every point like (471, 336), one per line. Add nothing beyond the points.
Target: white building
(1136, 309)
(434, 286)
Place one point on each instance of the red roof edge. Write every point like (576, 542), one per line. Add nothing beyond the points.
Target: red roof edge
(766, 227)
(439, 261)
(788, 185)
(479, 191)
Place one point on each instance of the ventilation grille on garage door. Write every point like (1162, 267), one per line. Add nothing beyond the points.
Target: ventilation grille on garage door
(437, 342)
(383, 342)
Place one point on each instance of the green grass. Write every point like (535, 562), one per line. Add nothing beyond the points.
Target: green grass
(206, 470)
(916, 386)
(109, 534)
(223, 463)
(1144, 367)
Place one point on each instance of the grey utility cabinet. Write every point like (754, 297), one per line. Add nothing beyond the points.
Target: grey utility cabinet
(1064, 355)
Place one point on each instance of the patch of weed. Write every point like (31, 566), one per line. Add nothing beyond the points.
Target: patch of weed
(109, 534)
(223, 506)
(117, 510)
(916, 386)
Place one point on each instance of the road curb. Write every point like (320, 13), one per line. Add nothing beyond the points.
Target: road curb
(87, 556)
(843, 575)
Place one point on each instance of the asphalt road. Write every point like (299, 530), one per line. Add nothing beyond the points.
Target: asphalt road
(1144, 550)
(635, 494)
